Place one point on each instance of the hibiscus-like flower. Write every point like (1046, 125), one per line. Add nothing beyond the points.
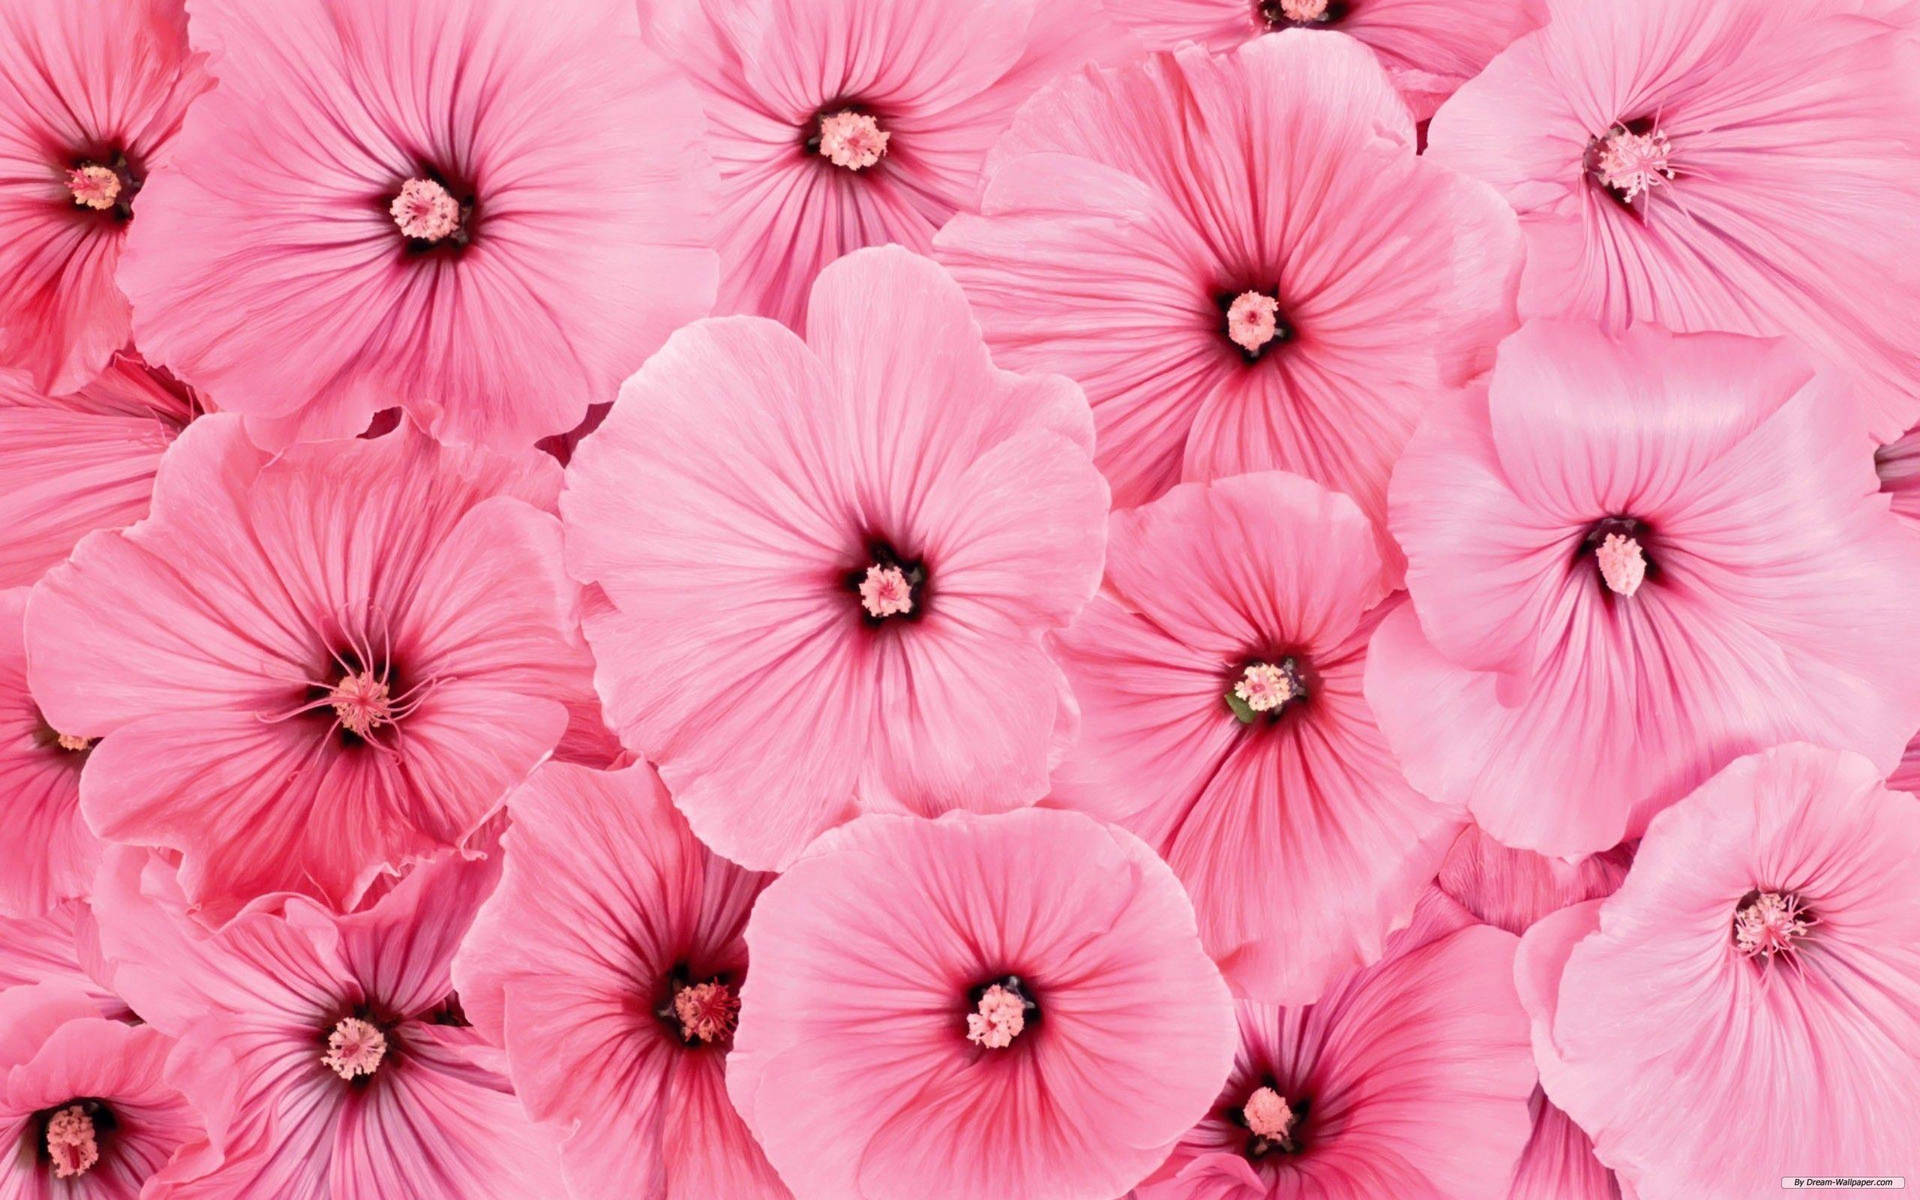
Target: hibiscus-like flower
(309, 670)
(1750, 166)
(93, 96)
(93, 1108)
(1219, 679)
(1007, 1005)
(1242, 261)
(353, 1072)
(1637, 558)
(1429, 47)
(1755, 974)
(1407, 1078)
(830, 563)
(838, 124)
(609, 964)
(484, 211)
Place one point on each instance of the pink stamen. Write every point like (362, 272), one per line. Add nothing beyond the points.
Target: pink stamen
(72, 1143)
(852, 140)
(707, 1012)
(425, 210)
(354, 1048)
(1769, 924)
(885, 592)
(73, 742)
(94, 187)
(1622, 563)
(1253, 320)
(1264, 687)
(361, 703)
(999, 1018)
(1304, 10)
(1634, 163)
(1268, 1115)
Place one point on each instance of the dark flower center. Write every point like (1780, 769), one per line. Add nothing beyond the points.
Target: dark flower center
(1299, 14)
(890, 586)
(1629, 161)
(1251, 320)
(700, 1011)
(356, 1044)
(847, 134)
(433, 212)
(1265, 688)
(1766, 924)
(1619, 546)
(70, 1138)
(1275, 1123)
(999, 1011)
(104, 183)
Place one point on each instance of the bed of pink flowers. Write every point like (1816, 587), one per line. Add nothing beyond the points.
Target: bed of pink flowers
(959, 599)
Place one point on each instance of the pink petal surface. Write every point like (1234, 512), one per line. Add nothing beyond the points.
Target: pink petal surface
(864, 956)
(295, 299)
(607, 907)
(745, 477)
(1645, 1001)
(1297, 836)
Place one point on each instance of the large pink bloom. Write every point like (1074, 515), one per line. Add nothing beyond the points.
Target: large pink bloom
(1009, 1005)
(1409, 1078)
(1429, 47)
(88, 1107)
(91, 96)
(838, 124)
(1754, 977)
(1219, 679)
(1637, 558)
(1242, 261)
(353, 1071)
(609, 963)
(46, 852)
(313, 669)
(1743, 165)
(831, 563)
(83, 461)
(483, 212)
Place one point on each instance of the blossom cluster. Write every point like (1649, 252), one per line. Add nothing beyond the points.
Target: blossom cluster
(958, 599)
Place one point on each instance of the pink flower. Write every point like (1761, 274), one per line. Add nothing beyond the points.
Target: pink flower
(1561, 705)
(1512, 888)
(620, 1053)
(88, 1107)
(1742, 1008)
(859, 1063)
(46, 852)
(754, 507)
(1218, 677)
(1428, 48)
(1750, 166)
(1408, 1078)
(1559, 1163)
(84, 461)
(838, 124)
(486, 213)
(1138, 219)
(94, 95)
(353, 1072)
(310, 670)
